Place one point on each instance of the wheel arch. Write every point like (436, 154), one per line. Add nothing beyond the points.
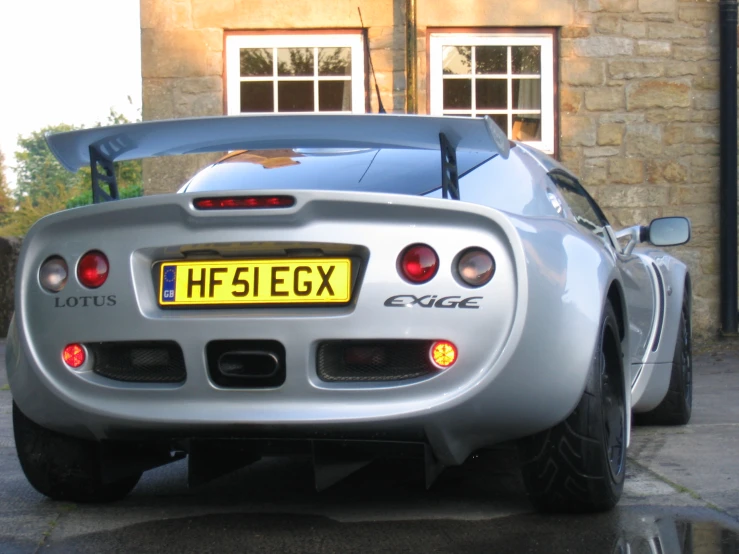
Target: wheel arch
(616, 298)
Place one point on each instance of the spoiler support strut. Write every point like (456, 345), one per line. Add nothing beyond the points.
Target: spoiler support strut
(102, 170)
(449, 171)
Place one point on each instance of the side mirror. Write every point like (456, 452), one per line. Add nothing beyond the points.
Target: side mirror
(668, 231)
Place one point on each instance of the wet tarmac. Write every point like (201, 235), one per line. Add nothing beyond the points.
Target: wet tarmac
(681, 496)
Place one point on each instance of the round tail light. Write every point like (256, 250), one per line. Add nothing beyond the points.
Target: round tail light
(443, 354)
(74, 355)
(92, 270)
(476, 267)
(418, 263)
(53, 274)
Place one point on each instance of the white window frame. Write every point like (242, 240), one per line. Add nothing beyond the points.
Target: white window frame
(235, 42)
(437, 42)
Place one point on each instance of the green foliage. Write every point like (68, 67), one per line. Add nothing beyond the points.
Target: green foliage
(43, 186)
(6, 201)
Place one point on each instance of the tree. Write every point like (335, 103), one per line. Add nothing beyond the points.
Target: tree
(44, 186)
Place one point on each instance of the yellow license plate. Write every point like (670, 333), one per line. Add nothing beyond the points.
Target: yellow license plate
(285, 281)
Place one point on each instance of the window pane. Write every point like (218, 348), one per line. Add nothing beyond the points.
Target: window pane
(526, 60)
(257, 97)
(526, 127)
(492, 94)
(256, 62)
(491, 60)
(457, 94)
(457, 60)
(526, 94)
(334, 96)
(334, 61)
(295, 61)
(295, 96)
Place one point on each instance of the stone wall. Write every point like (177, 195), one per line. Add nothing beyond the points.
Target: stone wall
(639, 121)
(638, 92)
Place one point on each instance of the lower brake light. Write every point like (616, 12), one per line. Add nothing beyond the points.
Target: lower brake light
(74, 355)
(243, 202)
(443, 354)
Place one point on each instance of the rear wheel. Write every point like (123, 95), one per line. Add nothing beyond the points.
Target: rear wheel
(62, 467)
(579, 465)
(677, 405)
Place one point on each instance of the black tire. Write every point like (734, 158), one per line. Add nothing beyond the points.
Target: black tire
(62, 467)
(677, 405)
(579, 464)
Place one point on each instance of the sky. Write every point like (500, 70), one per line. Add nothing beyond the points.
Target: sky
(66, 61)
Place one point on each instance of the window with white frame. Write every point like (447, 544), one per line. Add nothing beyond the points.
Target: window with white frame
(508, 76)
(295, 73)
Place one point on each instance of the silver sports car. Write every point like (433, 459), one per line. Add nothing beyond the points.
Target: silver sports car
(345, 288)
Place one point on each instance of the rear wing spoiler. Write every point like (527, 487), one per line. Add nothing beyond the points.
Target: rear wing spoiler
(101, 146)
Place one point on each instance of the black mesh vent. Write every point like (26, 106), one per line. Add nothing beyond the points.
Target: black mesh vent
(139, 362)
(387, 360)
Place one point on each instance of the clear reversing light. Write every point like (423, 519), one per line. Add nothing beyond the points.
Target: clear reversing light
(74, 355)
(243, 202)
(92, 269)
(443, 353)
(418, 263)
(53, 274)
(476, 267)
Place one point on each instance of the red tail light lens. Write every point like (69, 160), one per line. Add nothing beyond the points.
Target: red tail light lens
(74, 355)
(92, 269)
(476, 267)
(418, 263)
(243, 202)
(443, 354)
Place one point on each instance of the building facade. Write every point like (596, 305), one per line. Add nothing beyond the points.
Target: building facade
(624, 92)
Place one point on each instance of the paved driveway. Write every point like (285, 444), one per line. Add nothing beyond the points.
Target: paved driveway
(682, 492)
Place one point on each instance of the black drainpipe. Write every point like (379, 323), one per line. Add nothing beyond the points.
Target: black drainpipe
(728, 23)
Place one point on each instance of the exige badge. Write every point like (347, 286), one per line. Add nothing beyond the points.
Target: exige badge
(433, 301)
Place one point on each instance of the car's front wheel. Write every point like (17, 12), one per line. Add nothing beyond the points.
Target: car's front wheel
(579, 465)
(63, 467)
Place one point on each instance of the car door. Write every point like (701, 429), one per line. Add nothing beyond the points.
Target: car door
(637, 277)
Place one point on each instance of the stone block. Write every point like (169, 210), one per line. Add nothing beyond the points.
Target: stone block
(702, 134)
(701, 215)
(603, 47)
(583, 72)
(575, 31)
(577, 131)
(181, 53)
(706, 100)
(166, 14)
(607, 24)
(601, 151)
(673, 134)
(694, 53)
(674, 31)
(570, 101)
(634, 29)
(605, 99)
(625, 69)
(10, 247)
(626, 217)
(595, 172)
(658, 94)
(679, 69)
(660, 171)
(656, 6)
(690, 194)
(643, 140)
(691, 14)
(628, 171)
(650, 48)
(157, 102)
(707, 82)
(611, 134)
(617, 6)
